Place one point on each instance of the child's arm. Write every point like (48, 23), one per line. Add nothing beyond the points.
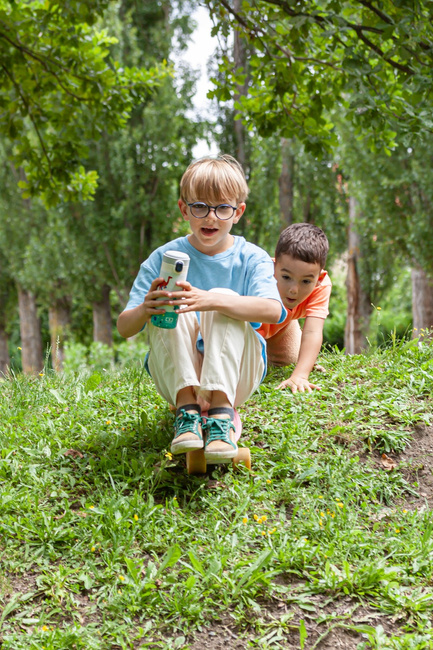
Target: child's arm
(247, 308)
(311, 342)
(133, 320)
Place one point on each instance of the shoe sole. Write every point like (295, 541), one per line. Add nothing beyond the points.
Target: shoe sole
(219, 458)
(188, 445)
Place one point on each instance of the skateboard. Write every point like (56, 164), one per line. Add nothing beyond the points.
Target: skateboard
(196, 461)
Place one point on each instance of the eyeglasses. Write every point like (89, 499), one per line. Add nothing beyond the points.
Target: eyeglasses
(223, 212)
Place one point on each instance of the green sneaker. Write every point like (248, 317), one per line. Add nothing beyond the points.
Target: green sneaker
(187, 433)
(220, 446)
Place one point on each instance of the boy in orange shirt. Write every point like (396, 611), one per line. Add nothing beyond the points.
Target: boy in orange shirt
(305, 289)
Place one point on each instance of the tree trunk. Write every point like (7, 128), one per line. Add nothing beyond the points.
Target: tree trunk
(59, 320)
(240, 61)
(5, 361)
(286, 182)
(30, 329)
(102, 323)
(358, 303)
(422, 303)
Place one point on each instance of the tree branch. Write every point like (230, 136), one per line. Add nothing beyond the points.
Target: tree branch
(28, 107)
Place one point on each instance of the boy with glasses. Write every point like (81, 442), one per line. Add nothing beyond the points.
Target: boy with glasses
(213, 358)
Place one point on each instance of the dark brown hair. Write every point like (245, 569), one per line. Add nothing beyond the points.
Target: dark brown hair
(305, 242)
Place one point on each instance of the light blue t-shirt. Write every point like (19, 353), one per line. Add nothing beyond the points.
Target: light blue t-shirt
(244, 268)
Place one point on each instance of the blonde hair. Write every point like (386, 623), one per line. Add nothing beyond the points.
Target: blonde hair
(215, 179)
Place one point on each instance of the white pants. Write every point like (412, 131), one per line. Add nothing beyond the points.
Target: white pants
(232, 361)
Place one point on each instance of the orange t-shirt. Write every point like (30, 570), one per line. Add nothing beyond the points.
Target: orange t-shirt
(316, 304)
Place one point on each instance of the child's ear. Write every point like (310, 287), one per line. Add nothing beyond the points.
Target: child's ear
(239, 212)
(183, 208)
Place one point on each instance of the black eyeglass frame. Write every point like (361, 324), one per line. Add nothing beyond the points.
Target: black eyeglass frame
(214, 208)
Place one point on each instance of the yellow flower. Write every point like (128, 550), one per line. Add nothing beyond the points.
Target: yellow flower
(263, 532)
(340, 505)
(244, 520)
(320, 522)
(264, 518)
(45, 628)
(41, 374)
(404, 510)
(397, 530)
(379, 308)
(19, 348)
(268, 480)
(136, 517)
(320, 496)
(93, 548)
(121, 578)
(108, 422)
(91, 507)
(256, 517)
(322, 514)
(169, 455)
(332, 515)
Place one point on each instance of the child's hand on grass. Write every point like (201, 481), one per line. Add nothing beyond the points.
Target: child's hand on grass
(298, 384)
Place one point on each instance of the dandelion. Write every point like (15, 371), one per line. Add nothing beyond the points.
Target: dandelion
(108, 422)
(404, 510)
(169, 455)
(322, 514)
(93, 549)
(397, 530)
(45, 628)
(136, 517)
(340, 505)
(91, 507)
(320, 496)
(244, 520)
(268, 481)
(264, 518)
(332, 515)
(263, 532)
(320, 522)
(121, 578)
(256, 517)
(41, 374)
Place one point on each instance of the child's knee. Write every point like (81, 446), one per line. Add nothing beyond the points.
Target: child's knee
(223, 290)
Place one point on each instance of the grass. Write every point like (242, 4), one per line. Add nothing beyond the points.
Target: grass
(106, 542)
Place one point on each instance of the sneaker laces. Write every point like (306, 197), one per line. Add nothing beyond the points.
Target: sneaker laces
(219, 429)
(187, 423)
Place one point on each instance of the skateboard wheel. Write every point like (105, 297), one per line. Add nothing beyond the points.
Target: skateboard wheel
(196, 462)
(242, 457)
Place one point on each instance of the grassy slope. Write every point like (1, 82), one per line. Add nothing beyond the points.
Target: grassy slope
(104, 540)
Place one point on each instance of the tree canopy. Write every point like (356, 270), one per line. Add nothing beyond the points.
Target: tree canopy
(372, 60)
(59, 89)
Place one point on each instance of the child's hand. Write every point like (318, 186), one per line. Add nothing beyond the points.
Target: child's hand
(151, 303)
(191, 298)
(298, 384)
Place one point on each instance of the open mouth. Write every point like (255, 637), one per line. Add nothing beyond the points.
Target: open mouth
(209, 231)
